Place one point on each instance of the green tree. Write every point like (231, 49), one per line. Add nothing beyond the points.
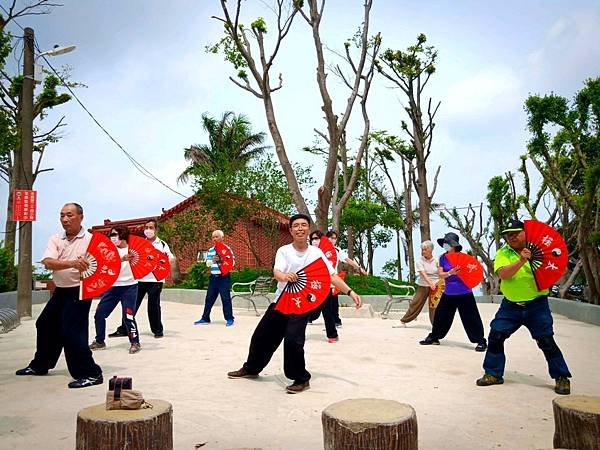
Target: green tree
(8, 270)
(231, 145)
(565, 148)
(246, 48)
(10, 117)
(410, 70)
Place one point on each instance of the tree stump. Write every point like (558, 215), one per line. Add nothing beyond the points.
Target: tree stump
(369, 423)
(577, 422)
(150, 428)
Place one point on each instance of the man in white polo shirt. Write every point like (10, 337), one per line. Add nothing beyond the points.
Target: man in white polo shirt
(63, 324)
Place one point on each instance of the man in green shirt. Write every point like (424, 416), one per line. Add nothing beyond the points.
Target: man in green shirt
(523, 304)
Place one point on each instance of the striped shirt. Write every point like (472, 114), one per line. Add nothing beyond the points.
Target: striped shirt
(214, 267)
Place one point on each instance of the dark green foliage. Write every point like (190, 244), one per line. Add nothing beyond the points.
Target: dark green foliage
(197, 277)
(8, 271)
(371, 285)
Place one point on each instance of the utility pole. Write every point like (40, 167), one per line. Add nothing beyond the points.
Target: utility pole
(26, 175)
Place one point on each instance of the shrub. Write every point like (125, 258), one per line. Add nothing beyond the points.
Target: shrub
(370, 285)
(8, 270)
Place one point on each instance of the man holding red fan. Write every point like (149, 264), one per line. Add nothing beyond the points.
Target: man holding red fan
(523, 304)
(219, 282)
(282, 324)
(63, 323)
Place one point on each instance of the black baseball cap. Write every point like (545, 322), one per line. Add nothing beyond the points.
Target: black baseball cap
(513, 225)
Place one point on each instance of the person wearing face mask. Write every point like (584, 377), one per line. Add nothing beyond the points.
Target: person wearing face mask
(151, 286)
(342, 258)
(456, 295)
(124, 290)
(327, 306)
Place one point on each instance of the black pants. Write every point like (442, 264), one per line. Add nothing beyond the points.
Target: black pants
(331, 314)
(469, 315)
(336, 309)
(273, 328)
(63, 324)
(329, 317)
(153, 289)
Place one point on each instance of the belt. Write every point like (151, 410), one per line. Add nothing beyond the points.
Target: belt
(529, 302)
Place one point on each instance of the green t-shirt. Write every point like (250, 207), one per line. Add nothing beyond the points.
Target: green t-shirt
(521, 286)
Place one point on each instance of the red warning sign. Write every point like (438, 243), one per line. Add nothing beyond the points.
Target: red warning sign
(24, 205)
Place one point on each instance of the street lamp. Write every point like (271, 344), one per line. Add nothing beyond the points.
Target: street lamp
(24, 166)
(57, 50)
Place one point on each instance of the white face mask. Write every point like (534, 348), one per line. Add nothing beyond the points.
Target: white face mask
(315, 242)
(446, 246)
(333, 241)
(149, 233)
(115, 240)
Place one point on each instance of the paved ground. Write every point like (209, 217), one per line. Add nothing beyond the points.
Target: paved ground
(188, 368)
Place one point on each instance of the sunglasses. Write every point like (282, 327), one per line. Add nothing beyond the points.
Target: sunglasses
(114, 234)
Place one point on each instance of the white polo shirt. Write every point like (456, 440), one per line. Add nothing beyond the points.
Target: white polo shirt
(59, 247)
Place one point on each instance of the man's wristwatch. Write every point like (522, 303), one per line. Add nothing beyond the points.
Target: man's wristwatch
(349, 292)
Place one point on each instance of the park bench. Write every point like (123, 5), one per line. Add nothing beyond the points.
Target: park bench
(400, 294)
(253, 290)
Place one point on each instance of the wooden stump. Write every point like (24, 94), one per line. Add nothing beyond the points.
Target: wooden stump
(369, 423)
(577, 422)
(151, 428)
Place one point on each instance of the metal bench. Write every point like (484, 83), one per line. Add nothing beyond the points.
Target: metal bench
(400, 294)
(9, 320)
(257, 289)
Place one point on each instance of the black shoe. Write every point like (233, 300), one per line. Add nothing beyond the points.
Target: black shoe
(429, 341)
(481, 347)
(242, 373)
(159, 335)
(118, 333)
(29, 371)
(86, 382)
(296, 388)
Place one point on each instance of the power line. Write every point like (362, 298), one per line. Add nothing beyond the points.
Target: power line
(133, 161)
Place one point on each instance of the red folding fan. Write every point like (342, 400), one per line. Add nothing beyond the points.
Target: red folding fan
(105, 265)
(342, 275)
(142, 256)
(226, 262)
(308, 292)
(549, 254)
(328, 250)
(163, 266)
(471, 272)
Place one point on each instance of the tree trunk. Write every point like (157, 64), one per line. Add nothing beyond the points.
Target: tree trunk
(10, 229)
(409, 220)
(577, 422)
(398, 254)
(370, 251)
(99, 429)
(286, 166)
(369, 423)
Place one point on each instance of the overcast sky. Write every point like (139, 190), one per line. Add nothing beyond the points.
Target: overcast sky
(149, 80)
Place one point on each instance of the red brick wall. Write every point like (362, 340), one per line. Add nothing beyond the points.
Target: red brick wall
(252, 245)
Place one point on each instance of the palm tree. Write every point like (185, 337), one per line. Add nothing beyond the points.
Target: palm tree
(232, 145)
